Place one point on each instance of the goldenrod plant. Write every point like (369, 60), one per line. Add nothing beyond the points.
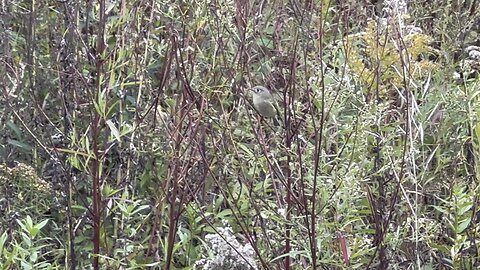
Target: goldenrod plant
(389, 55)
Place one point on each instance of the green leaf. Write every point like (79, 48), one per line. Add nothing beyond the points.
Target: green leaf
(42, 224)
(462, 209)
(225, 214)
(441, 210)
(246, 149)
(15, 129)
(265, 42)
(114, 130)
(20, 145)
(3, 240)
(463, 225)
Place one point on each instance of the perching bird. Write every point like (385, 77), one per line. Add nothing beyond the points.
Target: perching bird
(263, 102)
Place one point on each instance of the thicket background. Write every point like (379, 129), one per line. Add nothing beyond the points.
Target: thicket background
(128, 139)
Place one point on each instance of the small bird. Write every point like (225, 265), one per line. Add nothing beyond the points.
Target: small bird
(263, 102)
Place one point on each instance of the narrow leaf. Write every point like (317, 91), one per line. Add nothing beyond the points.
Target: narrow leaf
(114, 130)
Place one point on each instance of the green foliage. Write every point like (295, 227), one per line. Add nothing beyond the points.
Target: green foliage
(457, 221)
(25, 249)
(145, 151)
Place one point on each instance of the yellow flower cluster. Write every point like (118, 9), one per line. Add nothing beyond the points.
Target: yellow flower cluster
(380, 56)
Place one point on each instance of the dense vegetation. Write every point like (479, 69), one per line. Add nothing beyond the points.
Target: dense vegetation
(129, 140)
